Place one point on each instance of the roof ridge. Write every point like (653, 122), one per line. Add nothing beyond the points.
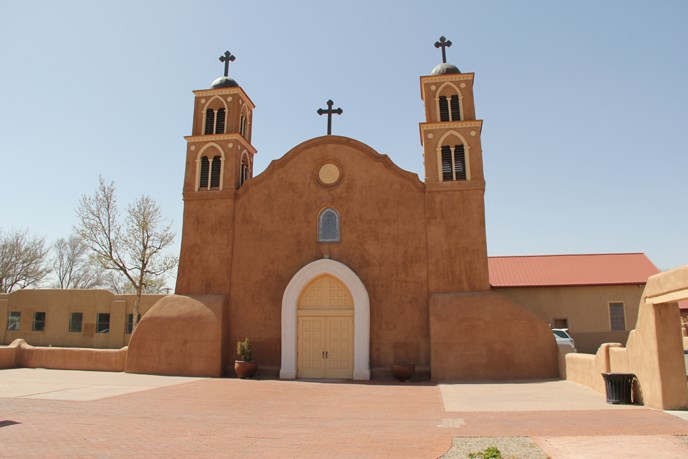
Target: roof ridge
(567, 255)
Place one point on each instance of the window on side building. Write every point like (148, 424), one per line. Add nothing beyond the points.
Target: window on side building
(561, 322)
(14, 321)
(130, 324)
(76, 320)
(103, 323)
(617, 316)
(38, 321)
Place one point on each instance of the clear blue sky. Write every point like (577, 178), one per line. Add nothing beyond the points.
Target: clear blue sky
(585, 104)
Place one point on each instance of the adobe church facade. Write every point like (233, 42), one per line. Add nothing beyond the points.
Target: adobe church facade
(335, 262)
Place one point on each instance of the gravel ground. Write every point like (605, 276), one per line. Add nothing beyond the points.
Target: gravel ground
(509, 447)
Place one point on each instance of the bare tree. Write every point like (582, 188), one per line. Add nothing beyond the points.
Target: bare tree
(72, 266)
(135, 250)
(22, 260)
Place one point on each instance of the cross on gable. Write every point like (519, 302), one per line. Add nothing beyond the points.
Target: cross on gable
(329, 112)
(227, 57)
(443, 43)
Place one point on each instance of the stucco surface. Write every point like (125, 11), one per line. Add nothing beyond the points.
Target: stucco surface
(207, 243)
(58, 304)
(654, 352)
(585, 307)
(405, 239)
(19, 354)
(382, 241)
(469, 344)
(180, 336)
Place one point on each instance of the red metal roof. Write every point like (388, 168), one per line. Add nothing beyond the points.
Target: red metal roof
(683, 304)
(551, 270)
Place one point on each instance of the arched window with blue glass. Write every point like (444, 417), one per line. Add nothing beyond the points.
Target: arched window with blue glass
(328, 225)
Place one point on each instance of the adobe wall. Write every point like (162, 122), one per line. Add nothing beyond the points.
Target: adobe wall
(587, 369)
(19, 354)
(58, 304)
(457, 248)
(206, 243)
(468, 343)
(382, 241)
(654, 351)
(180, 336)
(585, 307)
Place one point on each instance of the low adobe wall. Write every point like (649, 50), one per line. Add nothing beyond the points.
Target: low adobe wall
(654, 352)
(467, 343)
(22, 355)
(587, 369)
(180, 336)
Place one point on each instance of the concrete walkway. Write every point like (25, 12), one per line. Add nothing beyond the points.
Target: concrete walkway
(53, 413)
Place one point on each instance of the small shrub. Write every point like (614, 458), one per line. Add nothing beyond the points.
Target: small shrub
(243, 349)
(489, 453)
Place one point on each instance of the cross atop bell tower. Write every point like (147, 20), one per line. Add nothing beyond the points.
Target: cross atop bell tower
(443, 43)
(450, 134)
(219, 161)
(220, 153)
(454, 183)
(227, 57)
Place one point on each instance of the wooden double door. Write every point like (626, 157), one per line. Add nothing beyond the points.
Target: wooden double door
(325, 330)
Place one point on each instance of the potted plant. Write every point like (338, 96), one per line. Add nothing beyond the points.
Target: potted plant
(403, 371)
(245, 367)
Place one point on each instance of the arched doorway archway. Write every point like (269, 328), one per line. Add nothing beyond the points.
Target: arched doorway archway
(361, 321)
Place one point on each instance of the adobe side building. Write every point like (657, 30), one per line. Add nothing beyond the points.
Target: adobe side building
(335, 262)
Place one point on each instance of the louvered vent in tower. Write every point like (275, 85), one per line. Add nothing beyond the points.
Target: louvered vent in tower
(220, 121)
(455, 110)
(205, 166)
(209, 121)
(215, 173)
(444, 109)
(447, 169)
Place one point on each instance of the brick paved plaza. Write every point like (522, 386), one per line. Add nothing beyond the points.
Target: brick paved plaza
(50, 413)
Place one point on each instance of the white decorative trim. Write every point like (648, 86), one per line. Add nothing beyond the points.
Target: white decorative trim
(449, 134)
(244, 154)
(361, 315)
(452, 124)
(208, 146)
(466, 152)
(449, 104)
(224, 91)
(447, 77)
(207, 137)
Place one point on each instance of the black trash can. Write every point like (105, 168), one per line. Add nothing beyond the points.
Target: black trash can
(619, 387)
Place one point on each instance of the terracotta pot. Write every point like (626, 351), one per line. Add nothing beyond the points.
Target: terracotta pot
(245, 369)
(403, 371)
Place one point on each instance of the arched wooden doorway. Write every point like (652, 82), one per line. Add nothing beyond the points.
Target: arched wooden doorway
(361, 315)
(325, 330)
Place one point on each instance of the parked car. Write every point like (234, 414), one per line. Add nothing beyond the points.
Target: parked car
(562, 336)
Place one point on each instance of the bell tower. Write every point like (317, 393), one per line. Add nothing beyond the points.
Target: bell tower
(219, 160)
(455, 186)
(219, 153)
